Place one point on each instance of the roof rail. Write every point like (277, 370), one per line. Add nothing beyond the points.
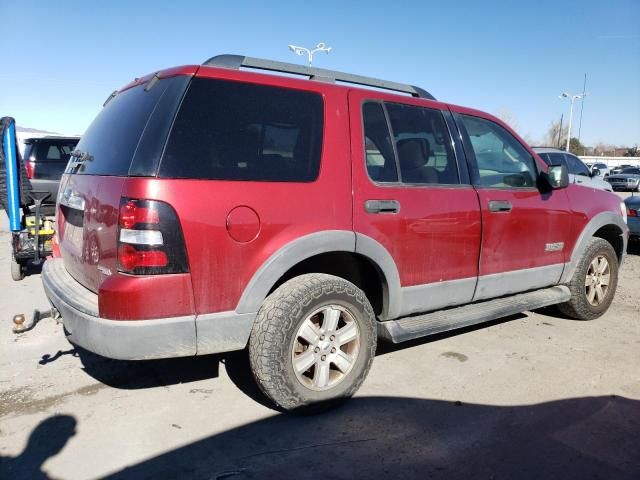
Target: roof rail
(235, 62)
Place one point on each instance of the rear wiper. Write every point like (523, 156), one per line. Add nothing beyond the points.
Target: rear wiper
(81, 156)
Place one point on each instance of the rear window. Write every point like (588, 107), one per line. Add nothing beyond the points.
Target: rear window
(55, 151)
(112, 138)
(237, 131)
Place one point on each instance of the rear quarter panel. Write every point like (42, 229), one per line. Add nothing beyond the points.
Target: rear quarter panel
(222, 267)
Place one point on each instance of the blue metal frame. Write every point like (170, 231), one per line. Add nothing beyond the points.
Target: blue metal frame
(13, 183)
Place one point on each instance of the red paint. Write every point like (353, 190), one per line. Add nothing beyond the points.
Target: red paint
(127, 297)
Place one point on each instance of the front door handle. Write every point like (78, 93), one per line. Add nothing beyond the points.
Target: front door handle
(382, 206)
(499, 206)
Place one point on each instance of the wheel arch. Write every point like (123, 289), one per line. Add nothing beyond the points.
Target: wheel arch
(352, 256)
(606, 225)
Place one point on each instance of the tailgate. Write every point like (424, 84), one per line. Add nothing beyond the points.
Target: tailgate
(88, 227)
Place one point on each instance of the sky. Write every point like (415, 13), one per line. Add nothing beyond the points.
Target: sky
(62, 59)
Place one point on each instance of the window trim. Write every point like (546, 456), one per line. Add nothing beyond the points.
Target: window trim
(399, 182)
(473, 164)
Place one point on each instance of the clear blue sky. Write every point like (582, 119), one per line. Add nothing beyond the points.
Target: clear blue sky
(60, 60)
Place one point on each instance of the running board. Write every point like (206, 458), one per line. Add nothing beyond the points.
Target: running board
(417, 326)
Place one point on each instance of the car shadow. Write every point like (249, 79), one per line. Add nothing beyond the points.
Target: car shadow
(134, 375)
(393, 437)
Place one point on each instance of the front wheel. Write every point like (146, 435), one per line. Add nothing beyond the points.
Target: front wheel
(313, 341)
(594, 282)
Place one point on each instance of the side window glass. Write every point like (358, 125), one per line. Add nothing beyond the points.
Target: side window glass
(380, 160)
(423, 144)
(558, 159)
(576, 166)
(502, 161)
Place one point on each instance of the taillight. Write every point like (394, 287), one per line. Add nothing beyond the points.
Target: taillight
(30, 167)
(150, 238)
(632, 212)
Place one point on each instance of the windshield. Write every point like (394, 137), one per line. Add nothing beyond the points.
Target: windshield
(631, 171)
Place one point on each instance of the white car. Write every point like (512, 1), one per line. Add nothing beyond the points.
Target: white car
(600, 170)
(578, 171)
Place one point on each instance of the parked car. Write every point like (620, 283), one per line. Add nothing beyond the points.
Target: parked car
(633, 216)
(600, 169)
(619, 168)
(578, 171)
(627, 180)
(304, 219)
(45, 160)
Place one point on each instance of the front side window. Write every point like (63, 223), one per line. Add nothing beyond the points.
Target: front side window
(501, 160)
(228, 130)
(576, 166)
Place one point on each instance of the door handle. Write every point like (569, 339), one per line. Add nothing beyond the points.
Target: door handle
(500, 206)
(382, 206)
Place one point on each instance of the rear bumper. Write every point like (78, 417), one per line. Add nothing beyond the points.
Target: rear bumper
(138, 339)
(634, 226)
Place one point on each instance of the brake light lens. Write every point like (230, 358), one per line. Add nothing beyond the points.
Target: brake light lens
(633, 212)
(150, 240)
(131, 213)
(30, 167)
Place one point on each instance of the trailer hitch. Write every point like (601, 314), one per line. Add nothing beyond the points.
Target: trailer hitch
(20, 325)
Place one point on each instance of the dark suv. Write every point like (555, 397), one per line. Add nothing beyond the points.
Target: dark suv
(209, 208)
(45, 160)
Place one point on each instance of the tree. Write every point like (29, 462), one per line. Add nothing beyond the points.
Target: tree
(576, 147)
(555, 137)
(508, 117)
(632, 152)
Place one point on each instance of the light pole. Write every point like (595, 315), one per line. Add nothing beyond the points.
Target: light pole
(321, 47)
(572, 98)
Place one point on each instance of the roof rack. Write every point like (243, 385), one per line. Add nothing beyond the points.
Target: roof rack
(235, 62)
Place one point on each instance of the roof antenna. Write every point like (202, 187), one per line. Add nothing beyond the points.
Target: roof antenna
(321, 47)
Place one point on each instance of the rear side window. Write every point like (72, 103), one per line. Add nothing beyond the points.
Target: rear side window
(420, 149)
(379, 156)
(237, 131)
(423, 145)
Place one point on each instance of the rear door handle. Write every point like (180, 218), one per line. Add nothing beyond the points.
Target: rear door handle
(499, 206)
(382, 206)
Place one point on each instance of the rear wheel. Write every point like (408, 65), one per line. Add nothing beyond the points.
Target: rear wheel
(313, 341)
(594, 282)
(17, 271)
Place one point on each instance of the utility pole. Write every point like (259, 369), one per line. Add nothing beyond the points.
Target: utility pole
(560, 131)
(584, 94)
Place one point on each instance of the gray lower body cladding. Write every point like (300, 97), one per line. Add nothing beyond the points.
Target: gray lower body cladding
(417, 326)
(139, 339)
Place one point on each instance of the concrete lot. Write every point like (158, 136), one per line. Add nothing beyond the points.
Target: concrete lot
(533, 396)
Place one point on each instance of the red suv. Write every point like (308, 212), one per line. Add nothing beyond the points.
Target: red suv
(210, 208)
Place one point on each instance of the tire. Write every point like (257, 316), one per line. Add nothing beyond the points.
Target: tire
(581, 306)
(17, 272)
(295, 327)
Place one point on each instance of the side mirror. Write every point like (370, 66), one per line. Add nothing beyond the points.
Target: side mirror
(556, 176)
(595, 172)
